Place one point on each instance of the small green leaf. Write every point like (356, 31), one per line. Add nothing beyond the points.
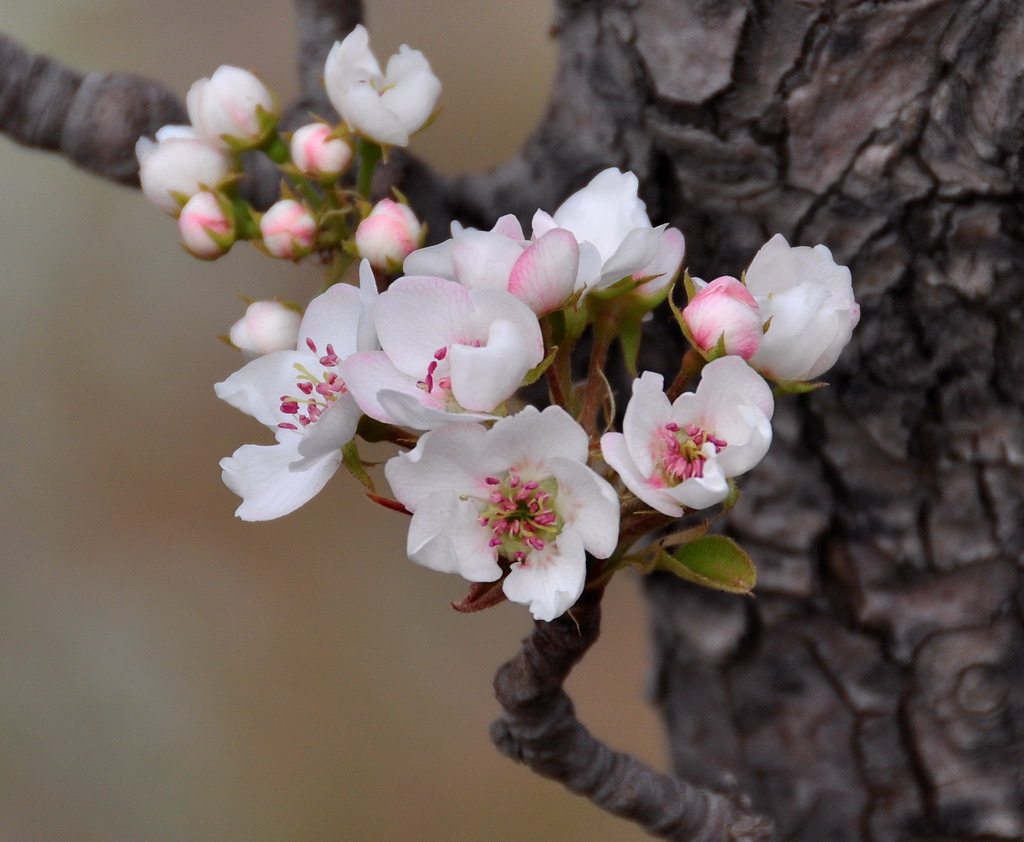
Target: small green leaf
(535, 373)
(351, 460)
(714, 561)
(796, 387)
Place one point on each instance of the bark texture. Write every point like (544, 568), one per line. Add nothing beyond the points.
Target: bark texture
(874, 691)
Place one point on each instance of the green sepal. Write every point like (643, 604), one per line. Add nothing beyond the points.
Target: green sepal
(371, 430)
(689, 286)
(535, 373)
(351, 460)
(714, 561)
(796, 387)
(630, 335)
(481, 595)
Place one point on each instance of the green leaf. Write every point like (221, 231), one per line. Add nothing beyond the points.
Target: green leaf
(714, 561)
(796, 387)
(351, 460)
(535, 373)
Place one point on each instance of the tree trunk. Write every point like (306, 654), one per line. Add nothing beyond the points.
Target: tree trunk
(874, 690)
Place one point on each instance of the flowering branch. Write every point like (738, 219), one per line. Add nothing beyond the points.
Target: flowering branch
(539, 728)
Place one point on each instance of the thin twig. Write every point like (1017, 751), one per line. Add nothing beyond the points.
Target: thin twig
(538, 727)
(319, 24)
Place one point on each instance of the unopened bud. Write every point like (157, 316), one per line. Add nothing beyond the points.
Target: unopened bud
(288, 230)
(725, 311)
(207, 226)
(266, 326)
(388, 235)
(319, 155)
(232, 107)
(179, 162)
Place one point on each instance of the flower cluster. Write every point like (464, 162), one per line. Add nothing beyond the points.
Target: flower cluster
(527, 504)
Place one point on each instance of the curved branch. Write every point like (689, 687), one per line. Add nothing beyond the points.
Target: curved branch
(93, 119)
(538, 727)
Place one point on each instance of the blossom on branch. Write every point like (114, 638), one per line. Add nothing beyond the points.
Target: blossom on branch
(315, 153)
(232, 108)
(517, 497)
(207, 225)
(388, 235)
(267, 326)
(384, 107)
(445, 351)
(615, 236)
(679, 455)
(302, 397)
(724, 310)
(541, 273)
(807, 301)
(288, 230)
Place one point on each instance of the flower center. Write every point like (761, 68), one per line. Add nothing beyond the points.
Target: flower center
(521, 514)
(317, 391)
(684, 456)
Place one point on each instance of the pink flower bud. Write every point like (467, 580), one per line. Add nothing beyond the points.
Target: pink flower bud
(725, 308)
(206, 225)
(179, 162)
(232, 105)
(388, 235)
(317, 154)
(266, 326)
(288, 229)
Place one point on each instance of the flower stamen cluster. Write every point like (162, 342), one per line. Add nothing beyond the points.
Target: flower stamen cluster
(521, 515)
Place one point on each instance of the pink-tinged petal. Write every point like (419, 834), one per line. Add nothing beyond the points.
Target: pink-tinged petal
(332, 318)
(443, 460)
(484, 377)
(542, 223)
(616, 454)
(433, 261)
(508, 226)
(725, 308)
(483, 259)
(267, 481)
(490, 305)
(529, 438)
(647, 413)
(408, 410)
(544, 275)
(369, 372)
(416, 316)
(332, 430)
(664, 268)
(549, 581)
(637, 250)
(588, 505)
(257, 387)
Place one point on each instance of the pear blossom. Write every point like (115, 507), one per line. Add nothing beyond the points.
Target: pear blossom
(517, 497)
(179, 162)
(448, 353)
(317, 154)
(664, 268)
(615, 236)
(541, 273)
(231, 107)
(300, 395)
(388, 235)
(725, 310)
(679, 455)
(383, 107)
(288, 229)
(807, 301)
(207, 226)
(267, 326)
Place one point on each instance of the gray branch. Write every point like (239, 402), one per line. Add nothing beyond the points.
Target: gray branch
(539, 728)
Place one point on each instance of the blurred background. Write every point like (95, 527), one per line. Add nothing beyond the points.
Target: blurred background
(168, 672)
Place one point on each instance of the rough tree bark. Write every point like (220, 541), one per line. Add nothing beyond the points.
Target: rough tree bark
(874, 691)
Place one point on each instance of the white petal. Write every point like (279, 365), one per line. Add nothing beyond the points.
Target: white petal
(408, 409)
(367, 373)
(443, 460)
(637, 249)
(258, 386)
(267, 481)
(529, 438)
(587, 504)
(410, 88)
(647, 412)
(332, 430)
(616, 454)
(433, 261)
(483, 259)
(484, 377)
(332, 318)
(361, 107)
(366, 332)
(701, 492)
(726, 383)
(446, 536)
(550, 580)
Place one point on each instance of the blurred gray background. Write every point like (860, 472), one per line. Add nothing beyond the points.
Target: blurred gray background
(166, 671)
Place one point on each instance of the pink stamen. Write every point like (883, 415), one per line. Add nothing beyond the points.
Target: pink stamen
(284, 425)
